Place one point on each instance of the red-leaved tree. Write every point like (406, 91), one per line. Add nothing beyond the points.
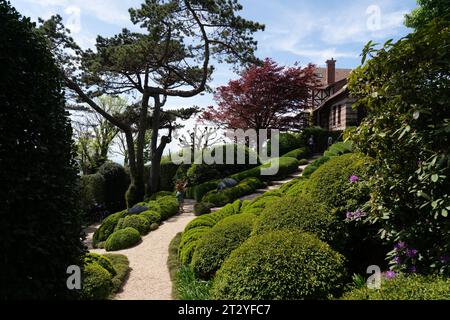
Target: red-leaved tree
(265, 97)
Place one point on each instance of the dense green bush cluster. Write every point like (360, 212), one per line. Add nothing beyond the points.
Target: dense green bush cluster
(168, 207)
(97, 282)
(92, 193)
(257, 205)
(402, 287)
(198, 227)
(103, 275)
(312, 167)
(286, 166)
(198, 192)
(154, 212)
(302, 213)
(151, 216)
(39, 214)
(137, 222)
(280, 266)
(331, 180)
(122, 239)
(217, 244)
(339, 149)
(167, 172)
(201, 208)
(221, 198)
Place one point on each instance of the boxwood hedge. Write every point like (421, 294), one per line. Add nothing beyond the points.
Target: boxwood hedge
(122, 239)
(218, 243)
(280, 265)
(405, 287)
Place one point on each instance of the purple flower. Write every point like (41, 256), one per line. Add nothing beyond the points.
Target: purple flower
(412, 269)
(400, 246)
(354, 179)
(358, 214)
(389, 275)
(411, 253)
(398, 260)
(445, 259)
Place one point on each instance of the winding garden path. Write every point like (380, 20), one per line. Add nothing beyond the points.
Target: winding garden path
(149, 277)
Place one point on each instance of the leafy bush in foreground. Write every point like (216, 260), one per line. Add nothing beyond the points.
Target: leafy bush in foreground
(303, 214)
(402, 287)
(122, 239)
(217, 244)
(137, 222)
(280, 266)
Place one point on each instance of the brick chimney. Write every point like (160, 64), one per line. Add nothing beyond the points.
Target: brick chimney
(331, 71)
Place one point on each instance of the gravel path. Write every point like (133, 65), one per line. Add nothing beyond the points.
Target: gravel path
(149, 277)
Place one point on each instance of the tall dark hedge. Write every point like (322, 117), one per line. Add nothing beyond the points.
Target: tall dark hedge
(116, 184)
(40, 225)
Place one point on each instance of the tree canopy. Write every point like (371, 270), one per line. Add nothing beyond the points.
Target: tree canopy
(172, 57)
(265, 97)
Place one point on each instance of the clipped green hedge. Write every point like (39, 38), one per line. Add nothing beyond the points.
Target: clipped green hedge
(217, 244)
(122, 239)
(101, 260)
(329, 183)
(198, 227)
(138, 222)
(301, 153)
(97, 282)
(151, 216)
(257, 205)
(221, 198)
(311, 168)
(280, 265)
(286, 165)
(201, 208)
(304, 214)
(199, 191)
(402, 287)
(339, 149)
(121, 266)
(107, 227)
(168, 207)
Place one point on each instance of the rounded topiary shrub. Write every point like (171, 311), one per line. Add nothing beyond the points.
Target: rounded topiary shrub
(108, 226)
(303, 214)
(201, 208)
(217, 244)
(137, 222)
(151, 216)
(101, 260)
(330, 181)
(331, 185)
(402, 287)
(280, 265)
(97, 282)
(122, 239)
(168, 207)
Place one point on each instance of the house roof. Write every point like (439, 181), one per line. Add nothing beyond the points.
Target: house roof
(342, 93)
(341, 74)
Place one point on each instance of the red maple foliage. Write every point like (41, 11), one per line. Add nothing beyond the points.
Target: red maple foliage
(265, 97)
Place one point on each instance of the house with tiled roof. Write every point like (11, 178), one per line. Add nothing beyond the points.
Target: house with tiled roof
(332, 108)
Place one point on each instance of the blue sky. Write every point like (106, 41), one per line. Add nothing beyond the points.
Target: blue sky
(296, 30)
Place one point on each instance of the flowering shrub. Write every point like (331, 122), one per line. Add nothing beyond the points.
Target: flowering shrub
(405, 90)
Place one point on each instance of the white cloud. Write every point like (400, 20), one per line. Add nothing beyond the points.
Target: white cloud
(114, 12)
